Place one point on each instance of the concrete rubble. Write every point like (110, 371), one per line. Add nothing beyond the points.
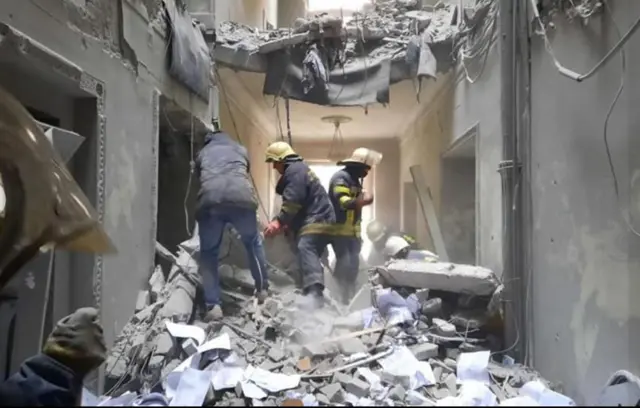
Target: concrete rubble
(422, 341)
(401, 31)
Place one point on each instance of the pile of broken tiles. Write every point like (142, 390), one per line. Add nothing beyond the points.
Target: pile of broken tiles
(429, 340)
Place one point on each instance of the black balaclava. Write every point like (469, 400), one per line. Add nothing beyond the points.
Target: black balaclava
(356, 170)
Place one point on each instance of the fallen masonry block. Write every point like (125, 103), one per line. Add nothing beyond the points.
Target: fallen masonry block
(276, 354)
(357, 387)
(352, 346)
(190, 346)
(142, 300)
(304, 364)
(397, 393)
(444, 328)
(452, 384)
(449, 277)
(424, 351)
(322, 399)
(156, 283)
(333, 392)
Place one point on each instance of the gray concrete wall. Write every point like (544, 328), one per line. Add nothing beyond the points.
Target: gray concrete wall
(114, 42)
(458, 210)
(586, 312)
(477, 110)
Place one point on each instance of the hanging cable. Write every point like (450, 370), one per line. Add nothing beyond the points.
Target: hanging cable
(286, 105)
(192, 166)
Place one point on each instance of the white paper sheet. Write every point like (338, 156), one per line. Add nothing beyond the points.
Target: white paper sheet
(227, 377)
(250, 390)
(402, 363)
(538, 392)
(473, 367)
(186, 331)
(222, 342)
(272, 382)
(193, 388)
(368, 375)
(124, 400)
(89, 399)
(521, 401)
(472, 394)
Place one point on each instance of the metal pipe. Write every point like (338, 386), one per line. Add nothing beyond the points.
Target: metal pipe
(506, 167)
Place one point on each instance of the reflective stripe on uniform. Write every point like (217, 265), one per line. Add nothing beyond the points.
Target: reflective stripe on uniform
(341, 190)
(316, 228)
(344, 200)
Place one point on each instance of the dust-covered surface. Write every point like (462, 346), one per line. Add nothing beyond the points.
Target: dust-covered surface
(411, 346)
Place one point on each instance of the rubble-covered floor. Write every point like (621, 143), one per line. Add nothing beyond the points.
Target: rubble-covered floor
(418, 345)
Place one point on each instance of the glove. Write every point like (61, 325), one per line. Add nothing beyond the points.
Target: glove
(273, 228)
(77, 342)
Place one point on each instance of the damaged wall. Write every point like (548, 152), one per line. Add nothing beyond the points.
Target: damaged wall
(253, 13)
(93, 39)
(586, 311)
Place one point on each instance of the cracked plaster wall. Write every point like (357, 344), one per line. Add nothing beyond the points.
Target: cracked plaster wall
(585, 307)
(91, 35)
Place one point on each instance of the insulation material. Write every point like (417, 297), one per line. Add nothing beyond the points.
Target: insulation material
(188, 54)
(361, 82)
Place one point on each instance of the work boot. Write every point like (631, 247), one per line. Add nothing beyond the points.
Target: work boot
(262, 295)
(214, 314)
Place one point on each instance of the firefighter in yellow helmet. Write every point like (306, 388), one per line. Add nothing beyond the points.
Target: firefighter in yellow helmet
(393, 245)
(43, 207)
(306, 212)
(348, 199)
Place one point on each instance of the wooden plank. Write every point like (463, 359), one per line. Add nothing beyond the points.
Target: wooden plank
(429, 212)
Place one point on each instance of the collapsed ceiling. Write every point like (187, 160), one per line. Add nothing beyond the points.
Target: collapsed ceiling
(327, 60)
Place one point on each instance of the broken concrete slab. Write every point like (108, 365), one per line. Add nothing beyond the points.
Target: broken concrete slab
(352, 346)
(333, 392)
(443, 327)
(276, 354)
(142, 300)
(357, 387)
(448, 277)
(424, 351)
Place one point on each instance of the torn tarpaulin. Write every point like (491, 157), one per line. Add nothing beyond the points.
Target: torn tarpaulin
(361, 82)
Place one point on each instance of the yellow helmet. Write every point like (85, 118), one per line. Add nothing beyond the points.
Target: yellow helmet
(376, 231)
(365, 156)
(278, 151)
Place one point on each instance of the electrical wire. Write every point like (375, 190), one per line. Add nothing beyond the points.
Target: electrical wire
(626, 217)
(474, 46)
(192, 166)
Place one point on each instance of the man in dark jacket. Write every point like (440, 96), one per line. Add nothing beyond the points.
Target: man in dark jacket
(54, 377)
(227, 196)
(348, 198)
(306, 212)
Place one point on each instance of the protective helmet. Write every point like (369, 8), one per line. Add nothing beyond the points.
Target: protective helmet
(364, 156)
(376, 231)
(278, 151)
(395, 245)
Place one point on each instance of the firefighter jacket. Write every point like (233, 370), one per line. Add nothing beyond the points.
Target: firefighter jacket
(344, 189)
(306, 208)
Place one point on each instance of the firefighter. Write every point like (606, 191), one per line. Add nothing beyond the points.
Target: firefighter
(348, 199)
(43, 207)
(306, 213)
(393, 245)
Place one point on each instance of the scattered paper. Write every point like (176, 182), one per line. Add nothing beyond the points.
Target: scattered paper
(250, 390)
(308, 400)
(538, 392)
(393, 307)
(402, 363)
(272, 382)
(124, 400)
(521, 401)
(472, 394)
(368, 375)
(89, 399)
(193, 388)
(186, 331)
(473, 367)
(222, 342)
(227, 377)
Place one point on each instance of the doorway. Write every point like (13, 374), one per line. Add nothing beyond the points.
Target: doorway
(458, 200)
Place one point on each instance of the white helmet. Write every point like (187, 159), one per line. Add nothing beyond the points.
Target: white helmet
(376, 231)
(395, 245)
(365, 156)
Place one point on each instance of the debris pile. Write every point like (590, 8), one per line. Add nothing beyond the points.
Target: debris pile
(431, 337)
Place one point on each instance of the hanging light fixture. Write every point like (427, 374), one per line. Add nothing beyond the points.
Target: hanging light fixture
(336, 150)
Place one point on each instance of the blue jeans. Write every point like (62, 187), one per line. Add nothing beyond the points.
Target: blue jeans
(347, 250)
(310, 249)
(211, 226)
